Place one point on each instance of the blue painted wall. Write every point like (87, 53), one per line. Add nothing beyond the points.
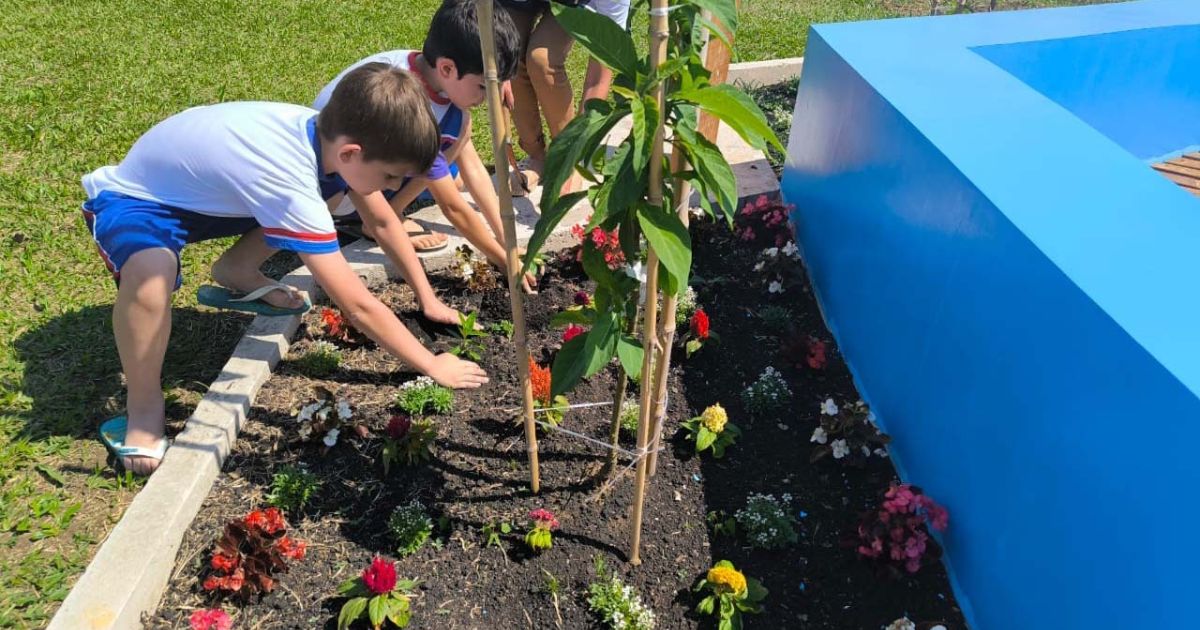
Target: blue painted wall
(1013, 292)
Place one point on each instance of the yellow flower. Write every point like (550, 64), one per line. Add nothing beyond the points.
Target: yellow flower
(714, 418)
(727, 579)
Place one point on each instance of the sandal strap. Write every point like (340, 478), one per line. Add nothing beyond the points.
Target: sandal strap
(141, 451)
(261, 291)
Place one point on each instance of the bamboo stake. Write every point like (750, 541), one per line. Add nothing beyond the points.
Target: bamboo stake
(659, 32)
(500, 145)
(666, 335)
(618, 403)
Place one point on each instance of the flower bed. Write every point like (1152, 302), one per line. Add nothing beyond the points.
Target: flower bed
(469, 552)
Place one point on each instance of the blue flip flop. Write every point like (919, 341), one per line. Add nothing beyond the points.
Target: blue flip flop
(220, 297)
(112, 434)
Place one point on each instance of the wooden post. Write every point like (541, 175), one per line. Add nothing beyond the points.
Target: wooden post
(500, 146)
(659, 32)
(716, 58)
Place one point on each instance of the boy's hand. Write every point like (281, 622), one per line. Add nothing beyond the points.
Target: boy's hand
(506, 95)
(451, 371)
(439, 313)
(529, 284)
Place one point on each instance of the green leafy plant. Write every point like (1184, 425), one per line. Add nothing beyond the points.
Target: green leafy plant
(420, 395)
(712, 430)
(407, 442)
(627, 199)
(292, 487)
(721, 523)
(629, 417)
(492, 532)
(685, 306)
(730, 594)
(777, 319)
(768, 394)
(503, 328)
(616, 604)
(540, 537)
(379, 595)
(470, 344)
(321, 360)
(410, 526)
(767, 522)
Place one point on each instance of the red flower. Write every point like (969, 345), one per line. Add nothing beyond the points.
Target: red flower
(699, 324)
(380, 577)
(268, 521)
(816, 353)
(335, 324)
(572, 331)
(398, 427)
(583, 299)
(211, 619)
(293, 549)
(543, 519)
(540, 378)
(232, 582)
(224, 563)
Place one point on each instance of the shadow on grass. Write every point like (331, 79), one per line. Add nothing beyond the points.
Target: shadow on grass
(73, 375)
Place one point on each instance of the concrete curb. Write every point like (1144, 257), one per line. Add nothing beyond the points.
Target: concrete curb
(769, 72)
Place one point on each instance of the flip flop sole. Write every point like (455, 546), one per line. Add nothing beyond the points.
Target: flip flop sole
(220, 297)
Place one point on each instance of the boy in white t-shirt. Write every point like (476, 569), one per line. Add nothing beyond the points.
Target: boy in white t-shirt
(451, 68)
(264, 171)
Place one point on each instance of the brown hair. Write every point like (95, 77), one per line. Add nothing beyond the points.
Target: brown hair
(385, 110)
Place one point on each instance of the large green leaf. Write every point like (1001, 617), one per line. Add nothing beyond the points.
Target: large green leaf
(546, 224)
(567, 148)
(584, 355)
(398, 611)
(351, 611)
(670, 240)
(710, 166)
(629, 350)
(724, 11)
(704, 439)
(735, 109)
(645, 127)
(610, 44)
(377, 610)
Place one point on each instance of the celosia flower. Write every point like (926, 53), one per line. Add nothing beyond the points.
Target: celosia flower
(224, 563)
(335, 325)
(398, 427)
(714, 418)
(380, 577)
(699, 324)
(829, 407)
(540, 378)
(582, 298)
(543, 519)
(294, 549)
(572, 331)
(727, 580)
(816, 353)
(211, 619)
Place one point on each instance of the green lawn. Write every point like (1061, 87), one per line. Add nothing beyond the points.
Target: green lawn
(81, 80)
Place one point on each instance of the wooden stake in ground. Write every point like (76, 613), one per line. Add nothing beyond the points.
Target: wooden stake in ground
(500, 145)
(659, 32)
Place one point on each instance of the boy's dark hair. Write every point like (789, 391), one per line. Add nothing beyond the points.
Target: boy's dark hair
(454, 34)
(385, 110)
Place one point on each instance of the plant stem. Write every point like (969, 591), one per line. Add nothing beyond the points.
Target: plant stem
(618, 403)
(500, 143)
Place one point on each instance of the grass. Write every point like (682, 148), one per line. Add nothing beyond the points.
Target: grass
(82, 81)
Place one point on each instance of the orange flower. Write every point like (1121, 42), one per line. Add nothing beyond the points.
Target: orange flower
(293, 549)
(333, 321)
(540, 377)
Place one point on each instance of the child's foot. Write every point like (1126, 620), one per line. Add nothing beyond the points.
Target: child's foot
(244, 281)
(422, 239)
(143, 438)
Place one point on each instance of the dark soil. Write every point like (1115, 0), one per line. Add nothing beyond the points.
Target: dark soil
(480, 476)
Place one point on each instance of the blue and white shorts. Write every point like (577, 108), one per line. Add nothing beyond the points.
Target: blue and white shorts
(123, 226)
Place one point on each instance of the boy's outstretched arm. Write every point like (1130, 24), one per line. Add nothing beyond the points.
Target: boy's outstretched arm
(464, 219)
(478, 183)
(369, 315)
(388, 231)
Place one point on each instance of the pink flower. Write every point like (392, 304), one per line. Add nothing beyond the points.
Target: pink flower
(572, 331)
(582, 298)
(816, 353)
(211, 619)
(380, 577)
(543, 519)
(912, 565)
(599, 238)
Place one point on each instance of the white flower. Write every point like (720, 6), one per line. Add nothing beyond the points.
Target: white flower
(829, 407)
(902, 623)
(819, 436)
(771, 251)
(871, 417)
(420, 381)
(760, 265)
(840, 449)
(881, 452)
(637, 271)
(343, 409)
(790, 249)
(331, 438)
(775, 287)
(866, 450)
(467, 271)
(938, 627)
(306, 413)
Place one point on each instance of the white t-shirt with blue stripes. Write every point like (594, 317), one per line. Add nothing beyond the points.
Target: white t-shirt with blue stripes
(245, 159)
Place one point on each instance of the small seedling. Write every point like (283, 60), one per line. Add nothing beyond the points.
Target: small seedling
(470, 345)
(493, 531)
(321, 360)
(292, 488)
(503, 328)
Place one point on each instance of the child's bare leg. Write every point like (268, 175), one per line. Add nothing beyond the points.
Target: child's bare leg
(238, 269)
(142, 325)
